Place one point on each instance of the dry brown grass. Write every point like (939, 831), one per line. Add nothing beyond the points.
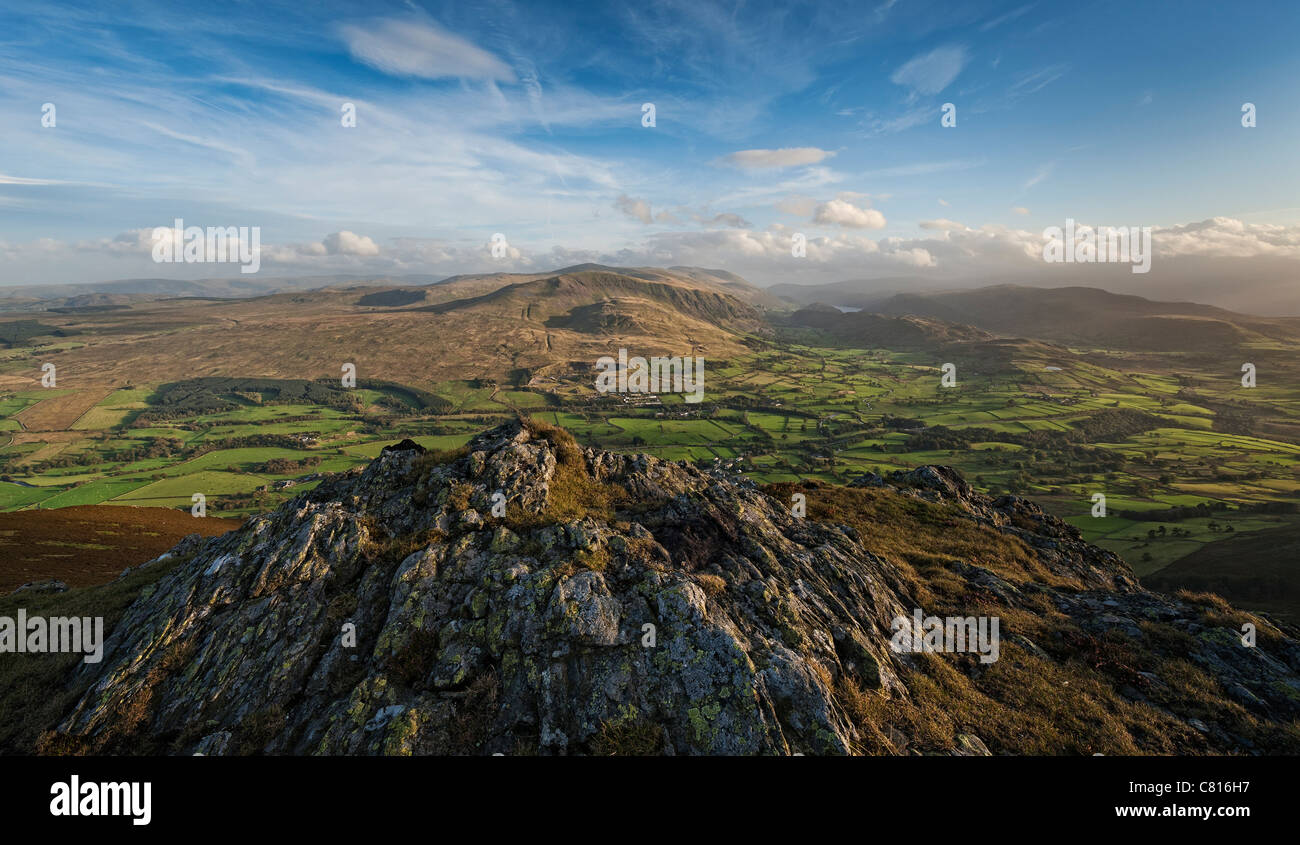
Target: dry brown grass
(91, 544)
(628, 739)
(59, 413)
(573, 493)
(1023, 704)
(36, 693)
(713, 585)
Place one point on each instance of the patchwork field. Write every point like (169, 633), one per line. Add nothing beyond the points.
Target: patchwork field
(1185, 457)
(60, 412)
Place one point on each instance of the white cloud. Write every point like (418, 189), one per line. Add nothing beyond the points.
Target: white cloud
(1019, 209)
(946, 251)
(931, 72)
(841, 213)
(131, 242)
(634, 207)
(1227, 237)
(942, 224)
(784, 157)
(348, 243)
(952, 242)
(407, 47)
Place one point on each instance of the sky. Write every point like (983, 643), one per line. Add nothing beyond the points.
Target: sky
(527, 120)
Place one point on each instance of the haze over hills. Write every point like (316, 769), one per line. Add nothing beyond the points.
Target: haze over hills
(505, 326)
(1077, 316)
(1072, 315)
(855, 293)
(120, 291)
(1260, 285)
(40, 297)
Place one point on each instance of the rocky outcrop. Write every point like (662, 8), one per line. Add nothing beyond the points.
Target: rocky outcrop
(526, 595)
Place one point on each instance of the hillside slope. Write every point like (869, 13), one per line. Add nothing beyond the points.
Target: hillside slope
(771, 634)
(493, 328)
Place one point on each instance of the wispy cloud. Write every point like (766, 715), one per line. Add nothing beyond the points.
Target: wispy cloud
(931, 72)
(921, 168)
(769, 159)
(418, 48)
(1035, 81)
(1003, 18)
(1040, 174)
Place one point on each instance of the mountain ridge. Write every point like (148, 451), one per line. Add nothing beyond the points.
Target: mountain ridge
(1076, 315)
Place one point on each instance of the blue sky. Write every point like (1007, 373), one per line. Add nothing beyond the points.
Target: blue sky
(525, 119)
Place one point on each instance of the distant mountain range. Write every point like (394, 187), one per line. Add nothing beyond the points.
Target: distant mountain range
(121, 291)
(505, 325)
(128, 291)
(1076, 316)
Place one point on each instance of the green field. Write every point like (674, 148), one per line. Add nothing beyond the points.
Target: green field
(787, 412)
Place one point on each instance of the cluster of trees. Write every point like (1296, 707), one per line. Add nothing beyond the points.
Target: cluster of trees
(1159, 531)
(284, 466)
(158, 447)
(1049, 452)
(213, 395)
(153, 447)
(1204, 509)
(19, 332)
(1112, 424)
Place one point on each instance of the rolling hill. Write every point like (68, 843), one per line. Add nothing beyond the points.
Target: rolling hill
(1077, 316)
(468, 327)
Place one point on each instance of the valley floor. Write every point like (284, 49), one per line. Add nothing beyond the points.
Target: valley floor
(1183, 458)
